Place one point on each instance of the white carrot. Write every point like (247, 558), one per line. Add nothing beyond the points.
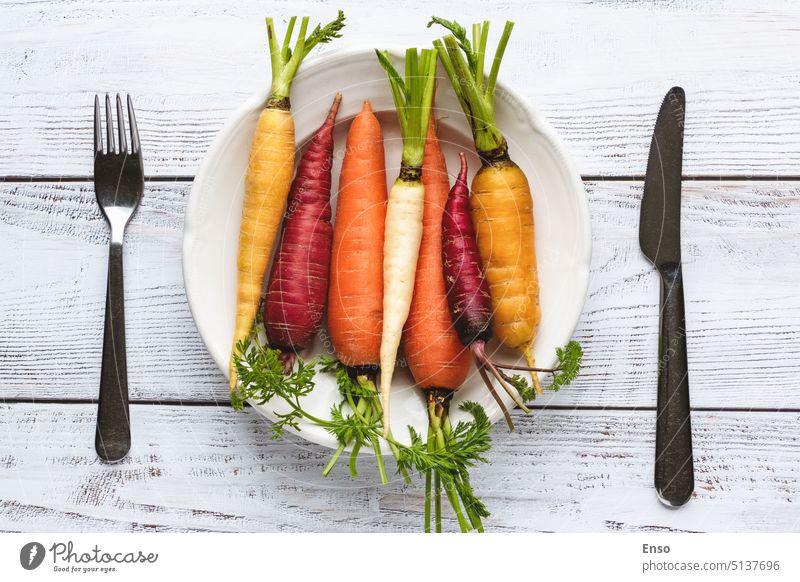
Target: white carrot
(403, 233)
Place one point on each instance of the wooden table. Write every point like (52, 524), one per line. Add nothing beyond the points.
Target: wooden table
(583, 460)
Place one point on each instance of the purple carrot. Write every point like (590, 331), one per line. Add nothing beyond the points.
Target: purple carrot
(467, 291)
(298, 281)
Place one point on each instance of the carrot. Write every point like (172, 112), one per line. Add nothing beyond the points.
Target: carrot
(502, 205)
(269, 174)
(434, 353)
(403, 233)
(355, 297)
(467, 291)
(298, 280)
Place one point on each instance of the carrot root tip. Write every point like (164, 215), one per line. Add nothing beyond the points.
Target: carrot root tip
(528, 353)
(288, 359)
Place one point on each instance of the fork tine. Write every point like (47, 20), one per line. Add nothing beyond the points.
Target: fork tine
(134, 129)
(123, 141)
(110, 126)
(98, 127)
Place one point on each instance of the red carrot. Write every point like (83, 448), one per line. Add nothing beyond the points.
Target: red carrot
(298, 281)
(467, 291)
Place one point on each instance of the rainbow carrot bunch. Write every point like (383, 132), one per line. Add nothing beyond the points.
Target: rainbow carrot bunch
(424, 265)
(269, 174)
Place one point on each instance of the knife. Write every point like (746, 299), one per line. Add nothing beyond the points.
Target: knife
(660, 240)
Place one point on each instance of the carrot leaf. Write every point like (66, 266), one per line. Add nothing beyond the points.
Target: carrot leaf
(526, 392)
(466, 444)
(262, 380)
(285, 61)
(348, 428)
(464, 64)
(566, 370)
(325, 34)
(460, 34)
(413, 96)
(569, 364)
(362, 425)
(447, 455)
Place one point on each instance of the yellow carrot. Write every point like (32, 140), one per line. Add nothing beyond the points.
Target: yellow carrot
(269, 173)
(403, 233)
(502, 212)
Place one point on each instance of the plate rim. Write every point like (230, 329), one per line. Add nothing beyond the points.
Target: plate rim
(531, 112)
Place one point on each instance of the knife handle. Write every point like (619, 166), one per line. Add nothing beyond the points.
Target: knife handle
(674, 467)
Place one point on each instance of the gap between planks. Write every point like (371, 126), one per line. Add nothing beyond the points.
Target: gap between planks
(540, 407)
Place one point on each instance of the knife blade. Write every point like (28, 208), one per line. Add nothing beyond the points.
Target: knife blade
(660, 241)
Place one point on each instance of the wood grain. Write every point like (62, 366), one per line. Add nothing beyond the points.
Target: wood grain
(207, 468)
(741, 254)
(596, 70)
(52, 296)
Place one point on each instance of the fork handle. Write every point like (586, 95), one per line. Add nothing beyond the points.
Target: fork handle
(113, 434)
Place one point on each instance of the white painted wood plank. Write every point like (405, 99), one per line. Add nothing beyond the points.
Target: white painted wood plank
(741, 257)
(52, 296)
(202, 468)
(597, 71)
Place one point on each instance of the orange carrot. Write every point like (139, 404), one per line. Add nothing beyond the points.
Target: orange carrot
(435, 355)
(355, 296)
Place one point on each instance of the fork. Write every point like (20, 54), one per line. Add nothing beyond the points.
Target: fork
(118, 184)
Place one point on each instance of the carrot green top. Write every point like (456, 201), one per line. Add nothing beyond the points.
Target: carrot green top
(412, 99)
(285, 61)
(475, 92)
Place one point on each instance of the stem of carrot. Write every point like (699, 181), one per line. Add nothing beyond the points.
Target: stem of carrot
(354, 458)
(438, 501)
(428, 501)
(449, 490)
(338, 453)
(376, 446)
(378, 410)
(285, 62)
(428, 486)
(438, 425)
(465, 68)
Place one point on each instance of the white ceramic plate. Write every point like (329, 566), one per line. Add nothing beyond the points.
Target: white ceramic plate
(563, 228)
